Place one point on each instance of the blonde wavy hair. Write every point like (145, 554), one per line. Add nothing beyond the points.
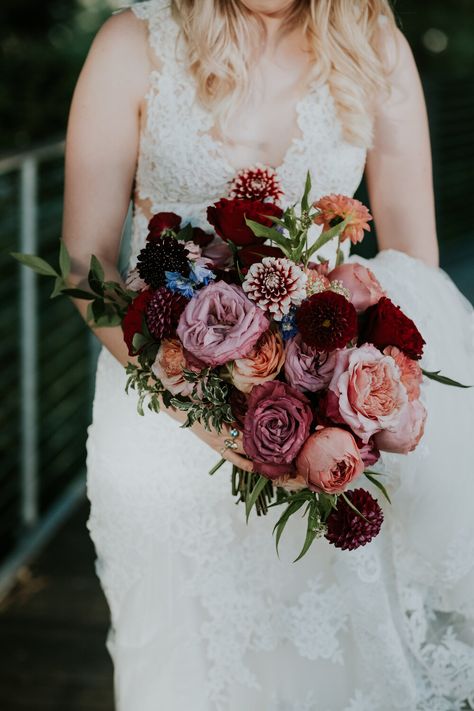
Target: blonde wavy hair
(223, 37)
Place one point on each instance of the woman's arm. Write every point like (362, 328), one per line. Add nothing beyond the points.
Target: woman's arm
(101, 155)
(399, 169)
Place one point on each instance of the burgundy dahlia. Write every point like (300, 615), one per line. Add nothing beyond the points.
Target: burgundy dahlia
(327, 321)
(159, 256)
(163, 312)
(346, 529)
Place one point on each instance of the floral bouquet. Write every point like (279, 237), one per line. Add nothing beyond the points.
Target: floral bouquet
(248, 326)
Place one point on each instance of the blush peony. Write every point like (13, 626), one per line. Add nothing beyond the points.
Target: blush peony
(363, 286)
(411, 373)
(277, 424)
(366, 391)
(329, 460)
(220, 324)
(410, 430)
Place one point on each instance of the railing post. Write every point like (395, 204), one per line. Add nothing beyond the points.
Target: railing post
(29, 345)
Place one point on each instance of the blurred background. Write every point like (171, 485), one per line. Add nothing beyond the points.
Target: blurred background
(53, 619)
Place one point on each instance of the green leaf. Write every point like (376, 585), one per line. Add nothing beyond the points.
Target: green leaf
(38, 265)
(185, 234)
(284, 518)
(267, 232)
(351, 506)
(435, 375)
(58, 287)
(64, 260)
(78, 293)
(379, 485)
(138, 341)
(327, 236)
(311, 531)
(256, 491)
(96, 276)
(307, 189)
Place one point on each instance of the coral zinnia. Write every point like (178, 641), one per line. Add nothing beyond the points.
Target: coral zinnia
(256, 183)
(163, 312)
(336, 208)
(327, 321)
(346, 529)
(159, 256)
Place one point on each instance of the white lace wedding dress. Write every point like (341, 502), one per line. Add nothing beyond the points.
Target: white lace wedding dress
(204, 615)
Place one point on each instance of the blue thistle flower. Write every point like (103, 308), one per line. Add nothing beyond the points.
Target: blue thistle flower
(179, 284)
(288, 324)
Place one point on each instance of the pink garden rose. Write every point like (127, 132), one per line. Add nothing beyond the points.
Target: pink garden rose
(366, 391)
(408, 433)
(307, 368)
(220, 324)
(329, 460)
(276, 426)
(168, 367)
(411, 373)
(365, 289)
(261, 364)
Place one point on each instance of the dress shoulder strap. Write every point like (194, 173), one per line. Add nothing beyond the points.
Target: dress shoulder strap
(162, 27)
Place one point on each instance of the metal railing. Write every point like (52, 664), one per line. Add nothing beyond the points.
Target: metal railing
(32, 522)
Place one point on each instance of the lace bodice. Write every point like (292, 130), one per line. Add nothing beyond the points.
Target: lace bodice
(182, 168)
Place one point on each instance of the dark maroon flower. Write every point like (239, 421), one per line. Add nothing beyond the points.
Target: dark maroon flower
(228, 219)
(163, 221)
(160, 256)
(327, 321)
(346, 529)
(163, 312)
(202, 238)
(277, 424)
(255, 253)
(385, 324)
(132, 322)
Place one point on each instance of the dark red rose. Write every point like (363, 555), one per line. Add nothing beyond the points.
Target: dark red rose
(327, 321)
(385, 324)
(133, 320)
(163, 221)
(202, 238)
(228, 219)
(255, 252)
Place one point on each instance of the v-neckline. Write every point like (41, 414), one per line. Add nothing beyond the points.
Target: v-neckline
(217, 146)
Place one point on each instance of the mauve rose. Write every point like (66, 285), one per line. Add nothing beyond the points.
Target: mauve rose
(277, 424)
(220, 323)
(365, 391)
(219, 253)
(329, 460)
(306, 368)
(168, 367)
(408, 433)
(364, 287)
(261, 364)
(411, 374)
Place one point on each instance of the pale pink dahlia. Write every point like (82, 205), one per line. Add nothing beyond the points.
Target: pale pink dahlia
(256, 183)
(275, 284)
(335, 208)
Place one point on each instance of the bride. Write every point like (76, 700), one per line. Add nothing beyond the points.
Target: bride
(175, 97)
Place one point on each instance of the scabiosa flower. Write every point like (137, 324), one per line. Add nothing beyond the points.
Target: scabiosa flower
(256, 183)
(346, 529)
(275, 284)
(327, 321)
(336, 208)
(160, 256)
(163, 312)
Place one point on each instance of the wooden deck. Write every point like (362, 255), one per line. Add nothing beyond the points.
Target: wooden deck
(52, 631)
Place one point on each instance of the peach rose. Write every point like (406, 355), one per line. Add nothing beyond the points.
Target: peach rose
(408, 433)
(365, 391)
(262, 364)
(364, 287)
(411, 373)
(329, 460)
(168, 367)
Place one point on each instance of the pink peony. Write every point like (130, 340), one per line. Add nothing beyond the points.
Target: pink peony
(411, 373)
(277, 424)
(408, 433)
(330, 460)
(261, 364)
(220, 324)
(307, 368)
(364, 288)
(365, 391)
(168, 367)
